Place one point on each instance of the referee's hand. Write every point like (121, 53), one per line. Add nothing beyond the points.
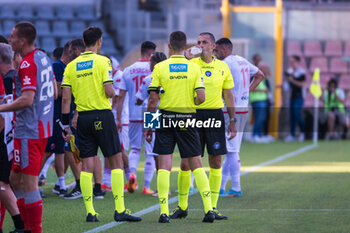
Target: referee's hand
(66, 134)
(148, 133)
(119, 125)
(231, 131)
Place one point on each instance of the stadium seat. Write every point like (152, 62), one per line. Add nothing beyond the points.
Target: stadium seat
(344, 82)
(309, 101)
(85, 12)
(312, 48)
(293, 48)
(324, 78)
(98, 24)
(60, 28)
(333, 48)
(45, 11)
(8, 25)
(42, 28)
(347, 48)
(338, 66)
(7, 11)
(65, 12)
(48, 44)
(64, 40)
(77, 28)
(25, 11)
(108, 46)
(319, 62)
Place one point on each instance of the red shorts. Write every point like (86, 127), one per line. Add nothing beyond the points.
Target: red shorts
(28, 154)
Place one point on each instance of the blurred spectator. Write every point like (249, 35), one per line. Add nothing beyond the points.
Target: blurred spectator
(334, 101)
(265, 68)
(258, 100)
(57, 53)
(296, 78)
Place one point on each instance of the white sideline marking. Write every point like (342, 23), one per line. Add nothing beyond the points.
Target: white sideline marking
(174, 199)
(280, 210)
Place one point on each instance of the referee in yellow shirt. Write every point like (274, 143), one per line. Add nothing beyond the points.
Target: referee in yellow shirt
(218, 82)
(89, 78)
(180, 80)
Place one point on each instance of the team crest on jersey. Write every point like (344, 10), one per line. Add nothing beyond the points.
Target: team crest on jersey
(44, 61)
(25, 64)
(26, 80)
(207, 73)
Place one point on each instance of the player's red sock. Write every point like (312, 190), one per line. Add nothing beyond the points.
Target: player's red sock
(2, 214)
(22, 211)
(34, 215)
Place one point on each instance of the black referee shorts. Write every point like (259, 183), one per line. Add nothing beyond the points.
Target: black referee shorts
(214, 138)
(5, 164)
(187, 140)
(97, 129)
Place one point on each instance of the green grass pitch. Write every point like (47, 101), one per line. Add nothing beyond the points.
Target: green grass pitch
(308, 192)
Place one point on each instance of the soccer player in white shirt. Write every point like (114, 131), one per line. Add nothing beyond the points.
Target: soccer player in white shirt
(131, 81)
(241, 71)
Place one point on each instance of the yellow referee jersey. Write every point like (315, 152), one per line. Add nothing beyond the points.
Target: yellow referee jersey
(86, 75)
(216, 76)
(179, 79)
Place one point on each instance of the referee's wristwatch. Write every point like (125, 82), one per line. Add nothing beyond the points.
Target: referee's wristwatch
(233, 119)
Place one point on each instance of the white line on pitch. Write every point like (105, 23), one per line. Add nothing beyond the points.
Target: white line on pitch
(174, 199)
(279, 210)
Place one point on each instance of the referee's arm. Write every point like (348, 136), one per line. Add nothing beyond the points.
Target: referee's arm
(230, 104)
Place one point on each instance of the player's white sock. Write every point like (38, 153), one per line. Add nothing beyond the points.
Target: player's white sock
(62, 183)
(235, 170)
(150, 165)
(47, 166)
(226, 169)
(127, 173)
(192, 179)
(134, 157)
(106, 177)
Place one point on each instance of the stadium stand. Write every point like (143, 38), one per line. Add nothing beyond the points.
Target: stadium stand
(65, 12)
(333, 48)
(45, 12)
(344, 82)
(294, 48)
(319, 62)
(338, 66)
(312, 48)
(24, 12)
(43, 28)
(7, 11)
(347, 48)
(77, 27)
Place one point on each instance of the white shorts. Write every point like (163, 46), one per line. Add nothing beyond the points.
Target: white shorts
(234, 145)
(149, 146)
(124, 137)
(136, 135)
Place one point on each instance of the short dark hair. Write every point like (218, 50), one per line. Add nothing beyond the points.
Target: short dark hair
(91, 35)
(211, 36)
(3, 39)
(178, 40)
(226, 42)
(57, 53)
(297, 58)
(146, 46)
(158, 57)
(26, 30)
(77, 44)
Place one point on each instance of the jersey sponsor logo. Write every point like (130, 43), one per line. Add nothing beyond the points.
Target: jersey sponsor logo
(25, 64)
(207, 73)
(44, 61)
(26, 80)
(84, 65)
(178, 67)
(178, 77)
(84, 75)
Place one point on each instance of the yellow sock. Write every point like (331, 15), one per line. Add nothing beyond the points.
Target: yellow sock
(117, 183)
(215, 177)
(203, 186)
(184, 184)
(163, 189)
(86, 190)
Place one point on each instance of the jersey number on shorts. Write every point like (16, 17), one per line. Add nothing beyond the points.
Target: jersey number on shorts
(16, 156)
(245, 74)
(138, 81)
(46, 83)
